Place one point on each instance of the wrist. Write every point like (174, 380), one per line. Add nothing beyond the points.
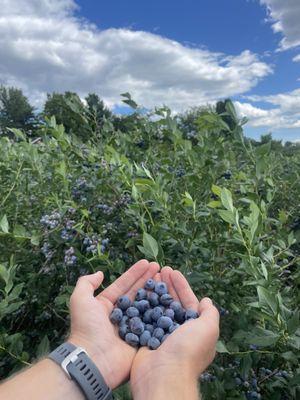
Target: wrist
(96, 355)
(175, 381)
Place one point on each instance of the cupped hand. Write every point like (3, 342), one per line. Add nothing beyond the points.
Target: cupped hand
(91, 328)
(189, 349)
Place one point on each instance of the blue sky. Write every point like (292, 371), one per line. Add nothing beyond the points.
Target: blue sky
(179, 53)
(221, 26)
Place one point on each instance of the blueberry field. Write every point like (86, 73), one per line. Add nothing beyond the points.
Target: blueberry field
(191, 192)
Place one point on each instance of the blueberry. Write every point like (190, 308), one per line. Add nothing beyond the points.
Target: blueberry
(253, 347)
(116, 315)
(191, 314)
(135, 304)
(169, 313)
(132, 339)
(162, 307)
(268, 371)
(141, 294)
(175, 305)
(158, 333)
(144, 338)
(123, 302)
(143, 306)
(166, 299)
(238, 381)
(153, 343)
(164, 322)
(147, 317)
(173, 327)
(123, 330)
(149, 327)
(136, 325)
(153, 299)
(124, 320)
(180, 315)
(150, 284)
(254, 382)
(161, 288)
(165, 337)
(132, 312)
(156, 313)
(253, 395)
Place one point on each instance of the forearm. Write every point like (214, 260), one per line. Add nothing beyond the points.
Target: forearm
(45, 380)
(159, 385)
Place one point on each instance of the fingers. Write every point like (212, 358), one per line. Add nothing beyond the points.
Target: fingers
(126, 281)
(157, 277)
(186, 295)
(209, 317)
(87, 284)
(165, 276)
(152, 272)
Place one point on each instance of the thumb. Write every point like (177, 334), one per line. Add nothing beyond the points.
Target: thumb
(209, 318)
(87, 284)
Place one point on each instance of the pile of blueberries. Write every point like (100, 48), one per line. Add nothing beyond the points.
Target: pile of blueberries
(151, 318)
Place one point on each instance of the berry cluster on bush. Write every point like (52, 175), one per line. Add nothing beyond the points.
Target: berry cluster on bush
(151, 317)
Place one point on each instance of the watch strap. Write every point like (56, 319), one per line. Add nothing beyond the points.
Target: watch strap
(79, 367)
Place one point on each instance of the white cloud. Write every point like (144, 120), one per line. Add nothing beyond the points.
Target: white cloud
(297, 58)
(285, 16)
(44, 47)
(285, 112)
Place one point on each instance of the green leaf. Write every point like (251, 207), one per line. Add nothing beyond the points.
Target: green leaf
(134, 192)
(264, 271)
(43, 347)
(265, 338)
(221, 348)
(4, 273)
(35, 240)
(150, 245)
(267, 299)
(4, 224)
(129, 100)
(295, 381)
(216, 190)
(294, 341)
(293, 323)
(227, 216)
(226, 199)
(246, 364)
(19, 134)
(214, 204)
(19, 231)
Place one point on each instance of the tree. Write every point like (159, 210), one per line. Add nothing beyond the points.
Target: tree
(68, 110)
(15, 111)
(97, 112)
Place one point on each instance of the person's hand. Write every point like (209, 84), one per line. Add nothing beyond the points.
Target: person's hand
(185, 354)
(91, 328)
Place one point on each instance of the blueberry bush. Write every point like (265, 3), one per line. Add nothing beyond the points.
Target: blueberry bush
(198, 196)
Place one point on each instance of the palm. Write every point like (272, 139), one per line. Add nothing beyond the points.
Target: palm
(190, 340)
(90, 320)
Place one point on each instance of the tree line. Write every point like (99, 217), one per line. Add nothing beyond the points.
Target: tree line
(85, 118)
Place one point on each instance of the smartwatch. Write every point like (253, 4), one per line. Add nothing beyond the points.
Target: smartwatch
(79, 367)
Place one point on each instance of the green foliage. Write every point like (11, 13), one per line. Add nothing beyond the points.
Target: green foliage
(15, 111)
(218, 207)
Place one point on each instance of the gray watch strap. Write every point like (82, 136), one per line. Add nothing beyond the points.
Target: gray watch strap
(79, 367)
